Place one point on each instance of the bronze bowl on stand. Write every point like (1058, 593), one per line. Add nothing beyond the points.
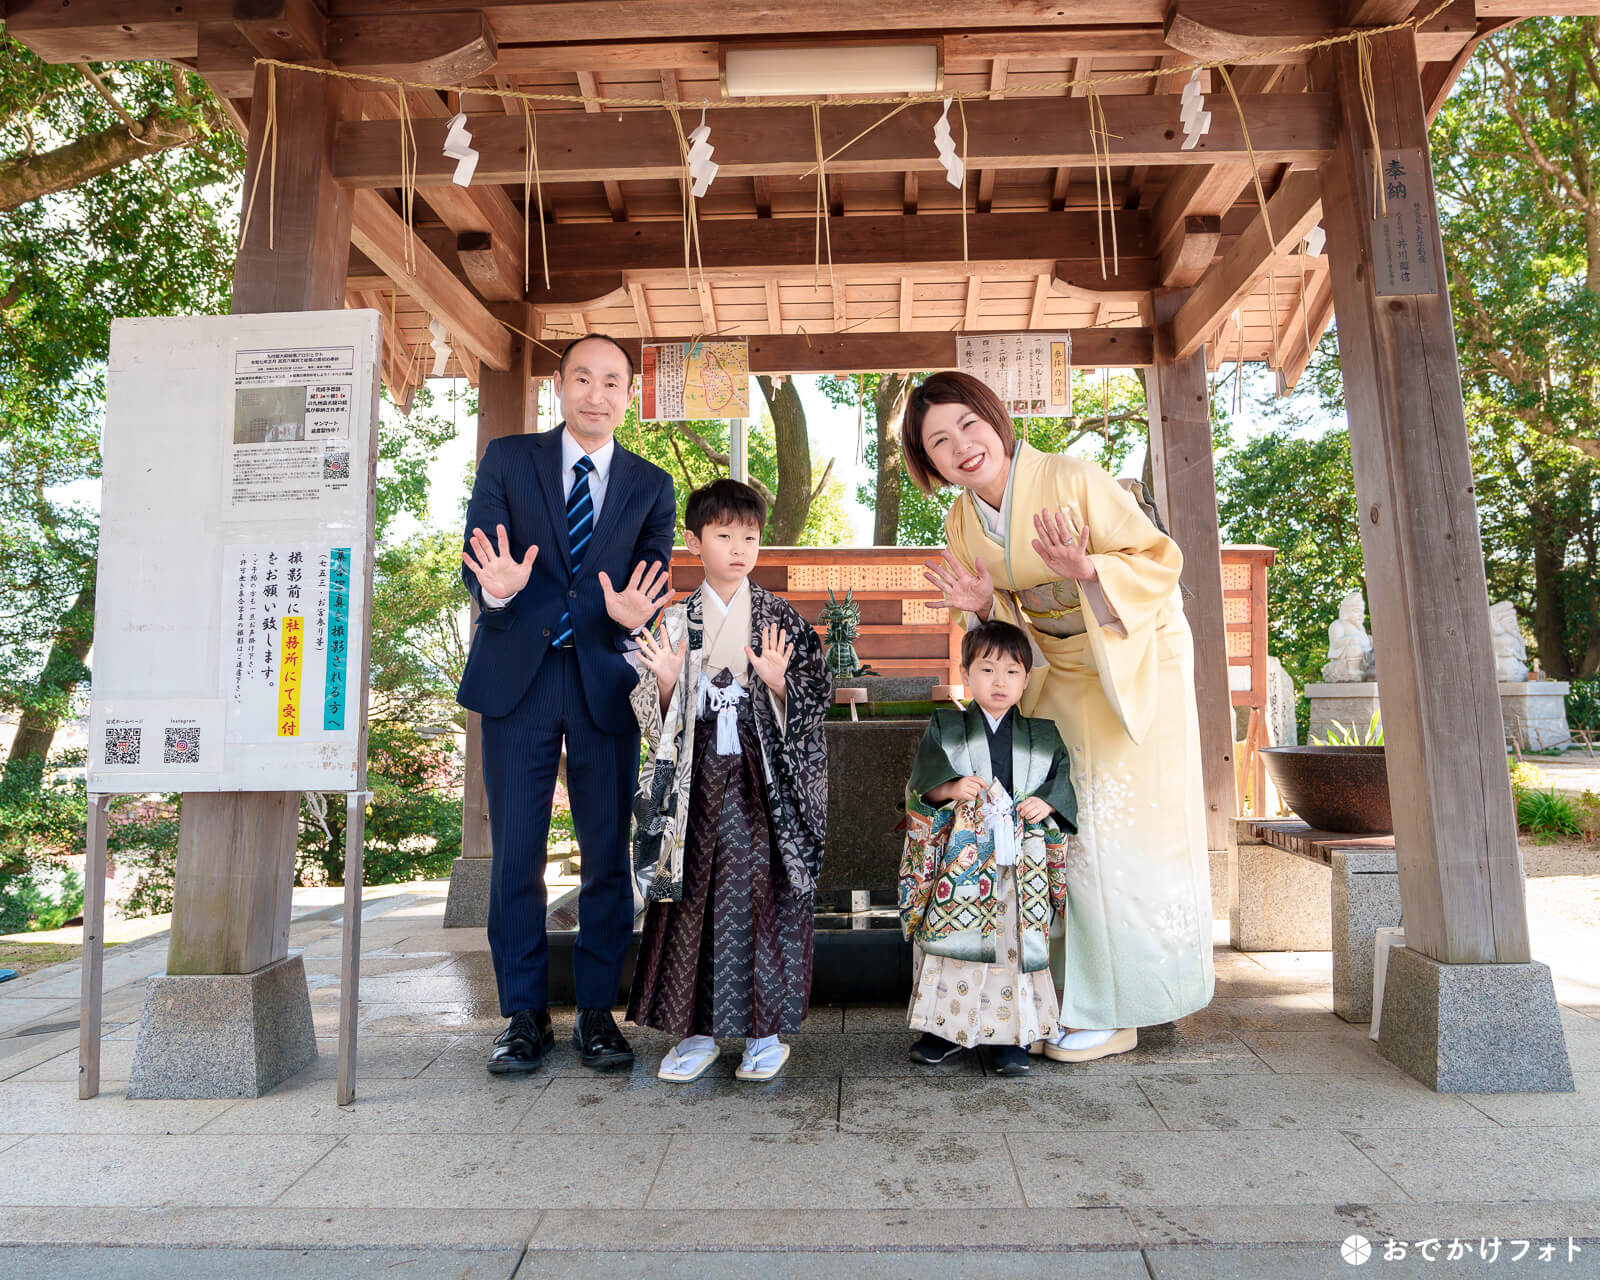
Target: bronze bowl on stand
(1339, 789)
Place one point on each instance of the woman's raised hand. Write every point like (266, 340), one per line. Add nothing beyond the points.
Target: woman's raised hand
(971, 592)
(499, 572)
(1063, 546)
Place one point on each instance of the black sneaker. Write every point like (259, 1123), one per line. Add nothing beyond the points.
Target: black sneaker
(1010, 1060)
(931, 1050)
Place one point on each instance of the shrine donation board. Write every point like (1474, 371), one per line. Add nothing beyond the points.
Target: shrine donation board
(235, 563)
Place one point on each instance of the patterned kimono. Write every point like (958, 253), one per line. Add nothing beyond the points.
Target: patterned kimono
(730, 815)
(983, 927)
(1117, 680)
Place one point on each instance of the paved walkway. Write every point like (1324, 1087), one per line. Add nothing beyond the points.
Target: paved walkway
(1245, 1141)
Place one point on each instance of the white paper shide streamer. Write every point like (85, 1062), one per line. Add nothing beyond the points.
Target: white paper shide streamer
(441, 347)
(1316, 241)
(702, 169)
(1196, 119)
(458, 146)
(955, 170)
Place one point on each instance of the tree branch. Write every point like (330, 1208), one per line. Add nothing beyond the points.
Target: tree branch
(722, 460)
(25, 178)
(822, 483)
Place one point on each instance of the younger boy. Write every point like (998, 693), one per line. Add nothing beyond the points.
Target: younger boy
(732, 804)
(988, 808)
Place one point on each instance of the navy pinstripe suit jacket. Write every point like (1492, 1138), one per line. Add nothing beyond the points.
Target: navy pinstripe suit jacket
(519, 484)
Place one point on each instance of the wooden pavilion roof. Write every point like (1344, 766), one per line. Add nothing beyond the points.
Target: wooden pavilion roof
(1037, 229)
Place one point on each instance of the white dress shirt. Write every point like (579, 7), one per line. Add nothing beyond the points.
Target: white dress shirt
(571, 451)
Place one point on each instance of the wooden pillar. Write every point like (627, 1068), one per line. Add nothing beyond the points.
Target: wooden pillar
(508, 405)
(1178, 397)
(1461, 880)
(236, 850)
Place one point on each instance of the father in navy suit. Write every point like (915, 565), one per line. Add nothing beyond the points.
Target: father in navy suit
(573, 513)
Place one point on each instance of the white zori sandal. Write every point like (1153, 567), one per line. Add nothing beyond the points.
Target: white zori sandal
(764, 1062)
(689, 1060)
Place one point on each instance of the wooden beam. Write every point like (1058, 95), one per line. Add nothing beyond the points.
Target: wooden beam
(1237, 30)
(907, 304)
(1320, 314)
(1178, 396)
(859, 352)
(1041, 296)
(756, 249)
(435, 48)
(1461, 874)
(970, 318)
(294, 30)
(1016, 133)
(589, 86)
(762, 189)
(1291, 212)
(641, 310)
(774, 308)
(910, 193)
(1377, 13)
(494, 266)
(1187, 256)
(379, 232)
(708, 306)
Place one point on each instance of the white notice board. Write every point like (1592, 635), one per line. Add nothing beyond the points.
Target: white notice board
(235, 561)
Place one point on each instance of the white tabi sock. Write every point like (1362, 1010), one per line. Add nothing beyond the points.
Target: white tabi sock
(695, 1045)
(755, 1046)
(1064, 1039)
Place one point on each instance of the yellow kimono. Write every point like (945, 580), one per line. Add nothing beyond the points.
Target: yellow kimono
(1120, 689)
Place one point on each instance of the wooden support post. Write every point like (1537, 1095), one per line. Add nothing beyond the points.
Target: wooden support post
(508, 405)
(1460, 870)
(236, 849)
(94, 946)
(1178, 396)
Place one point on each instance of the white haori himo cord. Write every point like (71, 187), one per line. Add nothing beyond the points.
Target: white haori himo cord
(1196, 119)
(1000, 816)
(701, 167)
(724, 700)
(441, 347)
(954, 167)
(458, 146)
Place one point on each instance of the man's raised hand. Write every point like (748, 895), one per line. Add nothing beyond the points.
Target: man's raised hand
(647, 590)
(498, 572)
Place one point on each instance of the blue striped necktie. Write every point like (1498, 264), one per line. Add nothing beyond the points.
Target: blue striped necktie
(580, 528)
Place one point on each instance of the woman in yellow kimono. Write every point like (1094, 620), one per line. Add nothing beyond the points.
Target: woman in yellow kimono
(1056, 546)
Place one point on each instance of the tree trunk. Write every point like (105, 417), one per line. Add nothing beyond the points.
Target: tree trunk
(1549, 613)
(889, 405)
(36, 728)
(789, 509)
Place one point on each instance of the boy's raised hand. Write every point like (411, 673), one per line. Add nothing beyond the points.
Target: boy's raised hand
(646, 592)
(498, 572)
(773, 660)
(660, 657)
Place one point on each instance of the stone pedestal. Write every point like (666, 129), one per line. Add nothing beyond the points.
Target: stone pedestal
(1535, 712)
(223, 1035)
(1351, 704)
(1365, 898)
(868, 764)
(1277, 901)
(1473, 1028)
(467, 906)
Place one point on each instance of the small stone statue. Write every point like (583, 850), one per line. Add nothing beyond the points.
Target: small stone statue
(843, 621)
(1349, 646)
(1510, 653)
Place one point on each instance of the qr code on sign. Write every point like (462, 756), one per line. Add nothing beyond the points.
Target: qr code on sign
(122, 746)
(336, 464)
(182, 747)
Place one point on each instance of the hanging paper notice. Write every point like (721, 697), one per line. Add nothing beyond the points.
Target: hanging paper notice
(1404, 228)
(289, 437)
(1030, 372)
(285, 641)
(684, 381)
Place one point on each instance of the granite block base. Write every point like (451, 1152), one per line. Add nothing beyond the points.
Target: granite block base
(223, 1035)
(1535, 713)
(467, 905)
(868, 764)
(1349, 704)
(1277, 901)
(1474, 1028)
(1366, 898)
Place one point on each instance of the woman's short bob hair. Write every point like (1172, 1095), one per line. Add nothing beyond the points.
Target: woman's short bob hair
(950, 387)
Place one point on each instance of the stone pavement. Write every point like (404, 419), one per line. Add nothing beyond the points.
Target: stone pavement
(1245, 1141)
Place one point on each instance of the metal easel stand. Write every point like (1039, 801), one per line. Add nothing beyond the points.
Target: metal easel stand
(94, 946)
(355, 843)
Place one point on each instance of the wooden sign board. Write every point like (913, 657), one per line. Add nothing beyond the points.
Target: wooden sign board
(1405, 231)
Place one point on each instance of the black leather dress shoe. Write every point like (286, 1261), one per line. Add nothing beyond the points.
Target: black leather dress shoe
(523, 1044)
(930, 1050)
(1010, 1060)
(599, 1043)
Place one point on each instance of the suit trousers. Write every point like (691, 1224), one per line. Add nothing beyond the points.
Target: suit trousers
(521, 754)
